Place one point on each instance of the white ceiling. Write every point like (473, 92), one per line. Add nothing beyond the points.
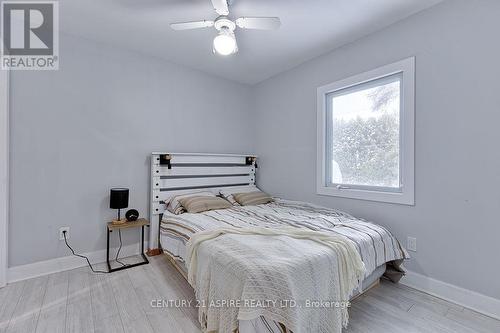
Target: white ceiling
(309, 29)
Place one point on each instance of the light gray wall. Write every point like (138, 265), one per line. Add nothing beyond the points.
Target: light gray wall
(90, 126)
(455, 218)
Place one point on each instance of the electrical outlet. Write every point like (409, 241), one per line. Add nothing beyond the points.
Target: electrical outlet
(411, 244)
(61, 235)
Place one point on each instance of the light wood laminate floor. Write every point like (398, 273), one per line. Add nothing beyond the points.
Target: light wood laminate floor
(80, 301)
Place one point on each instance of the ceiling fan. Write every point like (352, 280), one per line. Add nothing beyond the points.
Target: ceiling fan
(225, 42)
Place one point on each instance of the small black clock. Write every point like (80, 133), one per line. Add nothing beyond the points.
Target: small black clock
(132, 215)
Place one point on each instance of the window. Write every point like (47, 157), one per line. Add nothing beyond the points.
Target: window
(366, 135)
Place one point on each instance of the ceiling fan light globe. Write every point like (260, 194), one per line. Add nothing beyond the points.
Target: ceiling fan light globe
(225, 44)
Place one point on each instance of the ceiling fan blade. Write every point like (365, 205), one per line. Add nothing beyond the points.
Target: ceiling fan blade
(192, 25)
(221, 7)
(261, 23)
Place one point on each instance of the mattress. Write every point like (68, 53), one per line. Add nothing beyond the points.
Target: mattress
(375, 244)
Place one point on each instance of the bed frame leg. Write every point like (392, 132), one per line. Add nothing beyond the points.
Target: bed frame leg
(154, 234)
(153, 252)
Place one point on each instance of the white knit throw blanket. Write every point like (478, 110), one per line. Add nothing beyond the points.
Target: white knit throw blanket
(244, 273)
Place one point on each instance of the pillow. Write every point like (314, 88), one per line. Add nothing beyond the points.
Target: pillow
(252, 198)
(198, 204)
(175, 207)
(228, 193)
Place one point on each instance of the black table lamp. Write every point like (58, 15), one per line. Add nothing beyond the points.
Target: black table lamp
(118, 199)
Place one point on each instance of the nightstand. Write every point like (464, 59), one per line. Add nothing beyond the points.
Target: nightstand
(140, 223)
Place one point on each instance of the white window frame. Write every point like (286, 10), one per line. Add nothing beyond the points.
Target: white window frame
(407, 136)
(4, 173)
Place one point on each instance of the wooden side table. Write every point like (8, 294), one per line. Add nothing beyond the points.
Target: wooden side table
(140, 223)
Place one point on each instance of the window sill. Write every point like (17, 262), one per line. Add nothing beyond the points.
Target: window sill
(402, 198)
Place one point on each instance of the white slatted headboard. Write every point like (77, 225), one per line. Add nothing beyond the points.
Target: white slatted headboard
(178, 173)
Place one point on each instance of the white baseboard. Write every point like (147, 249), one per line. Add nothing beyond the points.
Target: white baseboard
(468, 299)
(23, 272)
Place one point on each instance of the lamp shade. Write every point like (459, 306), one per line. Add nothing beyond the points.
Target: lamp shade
(118, 198)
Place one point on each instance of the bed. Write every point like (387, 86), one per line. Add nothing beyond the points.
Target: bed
(174, 174)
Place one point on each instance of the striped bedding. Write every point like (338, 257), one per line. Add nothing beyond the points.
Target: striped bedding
(375, 243)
